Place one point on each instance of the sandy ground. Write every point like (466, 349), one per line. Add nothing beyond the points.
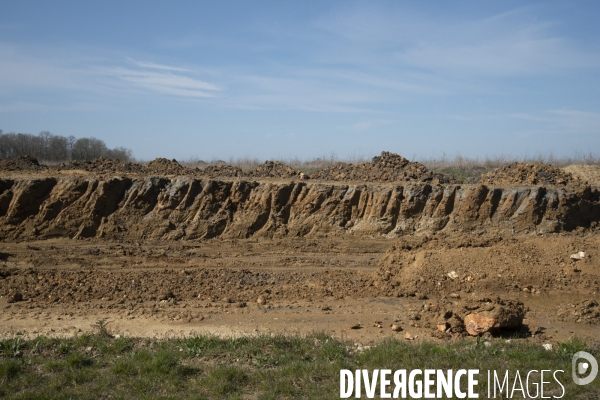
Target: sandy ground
(176, 288)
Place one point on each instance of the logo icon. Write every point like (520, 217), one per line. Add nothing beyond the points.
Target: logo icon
(582, 367)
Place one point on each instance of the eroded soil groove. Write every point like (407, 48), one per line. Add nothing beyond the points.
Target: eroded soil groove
(185, 207)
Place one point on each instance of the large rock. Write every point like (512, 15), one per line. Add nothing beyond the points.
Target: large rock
(502, 315)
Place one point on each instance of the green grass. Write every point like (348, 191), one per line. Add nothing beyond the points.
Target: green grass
(263, 367)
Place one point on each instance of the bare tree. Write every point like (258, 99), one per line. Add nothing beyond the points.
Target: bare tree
(49, 147)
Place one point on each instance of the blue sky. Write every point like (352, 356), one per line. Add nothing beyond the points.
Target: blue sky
(281, 79)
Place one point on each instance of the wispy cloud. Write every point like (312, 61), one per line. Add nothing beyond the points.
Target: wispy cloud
(354, 59)
(24, 68)
(164, 80)
(163, 67)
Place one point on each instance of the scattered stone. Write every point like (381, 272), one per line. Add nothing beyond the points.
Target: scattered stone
(578, 256)
(452, 275)
(443, 327)
(378, 324)
(325, 308)
(396, 328)
(532, 329)
(547, 346)
(166, 296)
(355, 326)
(261, 301)
(408, 336)
(15, 297)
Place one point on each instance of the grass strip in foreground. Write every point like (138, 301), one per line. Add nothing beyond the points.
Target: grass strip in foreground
(262, 367)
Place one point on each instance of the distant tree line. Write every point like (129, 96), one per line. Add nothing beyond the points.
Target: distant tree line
(49, 147)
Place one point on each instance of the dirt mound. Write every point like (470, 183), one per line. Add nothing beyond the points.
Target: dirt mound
(23, 163)
(224, 170)
(587, 311)
(530, 174)
(162, 166)
(589, 173)
(463, 264)
(273, 169)
(388, 167)
(101, 165)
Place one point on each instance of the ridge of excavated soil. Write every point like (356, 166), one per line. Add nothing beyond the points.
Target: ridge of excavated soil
(186, 207)
(518, 173)
(388, 167)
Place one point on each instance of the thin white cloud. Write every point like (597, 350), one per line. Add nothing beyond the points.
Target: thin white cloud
(163, 82)
(25, 68)
(152, 65)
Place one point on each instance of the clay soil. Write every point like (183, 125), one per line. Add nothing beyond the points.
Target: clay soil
(353, 285)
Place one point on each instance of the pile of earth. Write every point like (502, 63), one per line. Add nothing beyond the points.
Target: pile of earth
(23, 163)
(460, 265)
(273, 169)
(587, 311)
(223, 170)
(162, 166)
(389, 167)
(517, 173)
(587, 173)
(101, 165)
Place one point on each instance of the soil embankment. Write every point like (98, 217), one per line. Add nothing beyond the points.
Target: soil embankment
(185, 207)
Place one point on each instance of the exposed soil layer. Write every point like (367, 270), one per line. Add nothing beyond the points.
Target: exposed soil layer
(23, 163)
(388, 167)
(531, 174)
(190, 208)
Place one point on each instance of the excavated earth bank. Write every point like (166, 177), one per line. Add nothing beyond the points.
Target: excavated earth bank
(172, 255)
(191, 208)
